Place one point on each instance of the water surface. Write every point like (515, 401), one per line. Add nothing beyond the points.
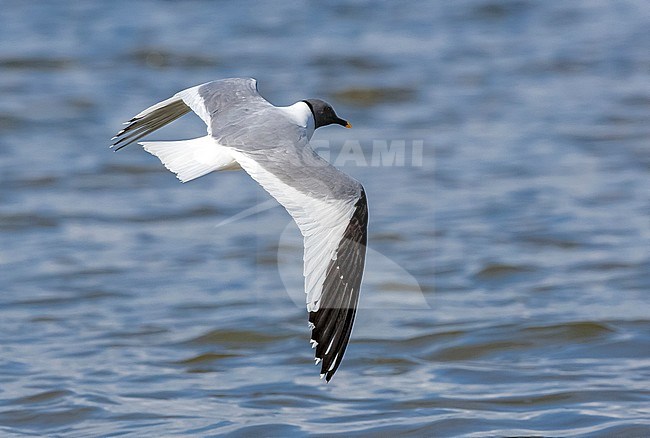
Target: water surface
(506, 290)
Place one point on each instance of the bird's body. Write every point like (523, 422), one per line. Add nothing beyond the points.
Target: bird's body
(272, 145)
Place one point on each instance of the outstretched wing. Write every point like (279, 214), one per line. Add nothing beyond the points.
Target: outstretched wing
(332, 322)
(331, 212)
(217, 98)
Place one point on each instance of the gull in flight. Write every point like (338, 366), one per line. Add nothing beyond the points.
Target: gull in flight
(271, 144)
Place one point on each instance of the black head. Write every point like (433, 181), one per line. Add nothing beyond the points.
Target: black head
(324, 114)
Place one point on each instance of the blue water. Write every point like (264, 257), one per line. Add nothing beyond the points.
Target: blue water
(505, 150)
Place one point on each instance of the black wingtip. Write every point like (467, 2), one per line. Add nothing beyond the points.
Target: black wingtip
(332, 323)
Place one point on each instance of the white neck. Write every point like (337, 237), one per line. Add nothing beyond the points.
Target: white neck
(301, 115)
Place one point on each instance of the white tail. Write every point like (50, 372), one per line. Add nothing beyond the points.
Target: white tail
(190, 159)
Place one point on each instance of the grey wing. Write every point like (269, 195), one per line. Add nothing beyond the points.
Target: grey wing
(224, 102)
(223, 99)
(330, 210)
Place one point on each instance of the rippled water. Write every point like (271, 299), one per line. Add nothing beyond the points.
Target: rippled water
(506, 291)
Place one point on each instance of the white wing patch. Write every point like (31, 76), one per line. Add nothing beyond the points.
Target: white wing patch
(190, 159)
(321, 222)
(192, 99)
